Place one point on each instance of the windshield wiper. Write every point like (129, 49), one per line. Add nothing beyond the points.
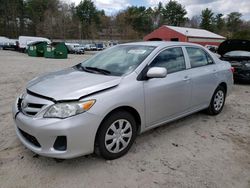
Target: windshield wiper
(96, 70)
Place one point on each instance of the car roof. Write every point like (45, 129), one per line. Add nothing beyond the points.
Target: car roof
(161, 43)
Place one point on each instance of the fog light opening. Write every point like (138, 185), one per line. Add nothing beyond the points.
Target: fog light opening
(60, 143)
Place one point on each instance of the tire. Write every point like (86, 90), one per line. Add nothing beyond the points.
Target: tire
(116, 135)
(217, 101)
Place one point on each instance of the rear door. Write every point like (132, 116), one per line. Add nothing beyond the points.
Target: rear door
(203, 73)
(167, 97)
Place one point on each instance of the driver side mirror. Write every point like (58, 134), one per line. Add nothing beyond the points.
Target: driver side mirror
(157, 72)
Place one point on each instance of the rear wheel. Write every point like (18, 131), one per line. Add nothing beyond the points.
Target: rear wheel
(116, 135)
(217, 101)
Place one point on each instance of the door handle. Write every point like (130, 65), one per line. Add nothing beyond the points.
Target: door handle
(186, 78)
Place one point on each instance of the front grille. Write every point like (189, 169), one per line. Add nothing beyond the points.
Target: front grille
(31, 105)
(19, 104)
(30, 138)
(30, 109)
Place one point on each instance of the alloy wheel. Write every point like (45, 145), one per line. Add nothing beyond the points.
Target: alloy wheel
(218, 100)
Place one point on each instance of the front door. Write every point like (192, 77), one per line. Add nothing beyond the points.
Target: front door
(167, 97)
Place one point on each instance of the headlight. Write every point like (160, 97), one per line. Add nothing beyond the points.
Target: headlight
(23, 94)
(64, 110)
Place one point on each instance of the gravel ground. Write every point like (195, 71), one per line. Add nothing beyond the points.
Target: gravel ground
(197, 151)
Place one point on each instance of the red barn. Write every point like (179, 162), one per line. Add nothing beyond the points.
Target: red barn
(184, 34)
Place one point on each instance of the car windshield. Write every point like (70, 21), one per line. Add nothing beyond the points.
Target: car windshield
(238, 54)
(118, 60)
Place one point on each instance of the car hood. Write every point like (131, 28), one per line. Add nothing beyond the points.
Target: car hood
(233, 45)
(71, 84)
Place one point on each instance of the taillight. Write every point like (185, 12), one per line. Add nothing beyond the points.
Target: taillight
(232, 69)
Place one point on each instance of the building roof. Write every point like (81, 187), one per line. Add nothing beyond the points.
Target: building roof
(191, 32)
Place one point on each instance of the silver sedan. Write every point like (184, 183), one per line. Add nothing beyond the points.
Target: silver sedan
(102, 104)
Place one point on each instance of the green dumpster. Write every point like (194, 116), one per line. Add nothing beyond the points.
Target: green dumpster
(57, 50)
(36, 49)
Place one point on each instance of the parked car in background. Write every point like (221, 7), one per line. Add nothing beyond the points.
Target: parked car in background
(23, 41)
(8, 44)
(237, 52)
(87, 47)
(90, 47)
(3, 41)
(212, 48)
(11, 45)
(70, 47)
(110, 44)
(75, 48)
(102, 103)
(99, 46)
(93, 47)
(80, 49)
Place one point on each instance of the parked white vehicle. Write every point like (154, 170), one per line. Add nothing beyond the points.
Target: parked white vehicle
(91, 47)
(25, 40)
(3, 40)
(6, 43)
(72, 47)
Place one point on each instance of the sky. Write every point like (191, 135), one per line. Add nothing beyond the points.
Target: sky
(193, 7)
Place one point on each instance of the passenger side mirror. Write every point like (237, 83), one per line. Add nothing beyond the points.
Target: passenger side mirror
(157, 72)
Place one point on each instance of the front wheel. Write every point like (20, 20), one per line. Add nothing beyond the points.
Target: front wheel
(116, 135)
(217, 101)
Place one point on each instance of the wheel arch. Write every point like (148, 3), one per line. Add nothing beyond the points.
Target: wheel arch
(224, 85)
(210, 110)
(129, 109)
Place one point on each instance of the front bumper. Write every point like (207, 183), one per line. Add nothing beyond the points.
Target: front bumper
(79, 130)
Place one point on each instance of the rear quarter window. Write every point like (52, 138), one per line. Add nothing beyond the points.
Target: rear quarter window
(198, 57)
